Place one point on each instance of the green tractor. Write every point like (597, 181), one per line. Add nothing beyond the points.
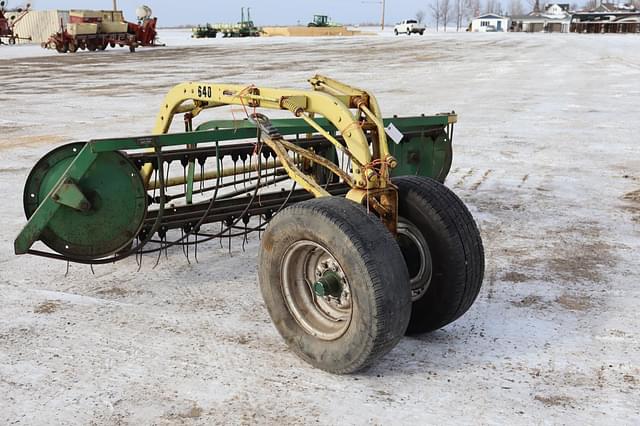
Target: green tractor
(320, 21)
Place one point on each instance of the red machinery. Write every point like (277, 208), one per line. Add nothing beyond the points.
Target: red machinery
(93, 33)
(8, 19)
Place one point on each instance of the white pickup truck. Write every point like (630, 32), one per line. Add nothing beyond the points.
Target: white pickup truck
(409, 26)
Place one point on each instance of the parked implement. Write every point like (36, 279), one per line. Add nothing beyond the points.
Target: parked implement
(97, 29)
(244, 28)
(8, 20)
(322, 21)
(363, 244)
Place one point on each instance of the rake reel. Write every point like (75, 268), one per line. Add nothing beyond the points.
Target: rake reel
(360, 242)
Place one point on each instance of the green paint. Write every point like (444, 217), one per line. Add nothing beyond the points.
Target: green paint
(111, 185)
(69, 194)
(328, 285)
(423, 154)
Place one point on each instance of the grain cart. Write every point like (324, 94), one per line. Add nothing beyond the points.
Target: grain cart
(360, 240)
(8, 20)
(98, 29)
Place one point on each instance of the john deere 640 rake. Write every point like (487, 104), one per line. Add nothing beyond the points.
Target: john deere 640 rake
(361, 244)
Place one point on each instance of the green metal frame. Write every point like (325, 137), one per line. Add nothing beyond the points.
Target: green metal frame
(209, 132)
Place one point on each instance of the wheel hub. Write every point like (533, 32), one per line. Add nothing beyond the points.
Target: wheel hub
(316, 290)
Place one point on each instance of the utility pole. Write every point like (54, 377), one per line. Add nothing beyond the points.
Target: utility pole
(115, 5)
(381, 2)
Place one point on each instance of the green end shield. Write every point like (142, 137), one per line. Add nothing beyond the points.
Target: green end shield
(113, 189)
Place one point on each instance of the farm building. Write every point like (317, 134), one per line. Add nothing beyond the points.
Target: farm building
(555, 18)
(607, 18)
(40, 24)
(489, 23)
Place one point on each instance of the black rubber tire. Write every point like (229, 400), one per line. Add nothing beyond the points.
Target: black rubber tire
(377, 275)
(395, 32)
(455, 245)
(63, 48)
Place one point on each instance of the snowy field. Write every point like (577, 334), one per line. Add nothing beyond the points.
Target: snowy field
(546, 154)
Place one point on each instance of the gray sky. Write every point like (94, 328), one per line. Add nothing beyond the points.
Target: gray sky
(262, 11)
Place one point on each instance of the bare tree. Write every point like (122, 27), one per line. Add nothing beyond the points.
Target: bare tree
(436, 12)
(591, 4)
(459, 11)
(535, 5)
(492, 6)
(420, 16)
(472, 9)
(515, 8)
(445, 7)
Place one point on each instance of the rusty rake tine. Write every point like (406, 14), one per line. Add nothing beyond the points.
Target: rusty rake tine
(159, 254)
(155, 184)
(195, 248)
(166, 249)
(244, 172)
(187, 250)
(182, 238)
(234, 175)
(184, 177)
(201, 177)
(141, 254)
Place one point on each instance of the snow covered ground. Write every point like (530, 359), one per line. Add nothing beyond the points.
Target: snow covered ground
(546, 156)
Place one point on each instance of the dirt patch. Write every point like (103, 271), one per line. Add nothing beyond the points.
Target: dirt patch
(48, 307)
(192, 412)
(634, 209)
(555, 400)
(528, 301)
(481, 181)
(580, 255)
(575, 302)
(22, 141)
(112, 292)
(515, 277)
(633, 196)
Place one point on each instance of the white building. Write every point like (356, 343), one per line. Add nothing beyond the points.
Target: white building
(41, 24)
(489, 23)
(556, 18)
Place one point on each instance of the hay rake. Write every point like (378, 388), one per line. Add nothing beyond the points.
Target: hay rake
(360, 242)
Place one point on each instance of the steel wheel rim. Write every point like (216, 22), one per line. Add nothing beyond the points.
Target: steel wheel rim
(415, 251)
(325, 317)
